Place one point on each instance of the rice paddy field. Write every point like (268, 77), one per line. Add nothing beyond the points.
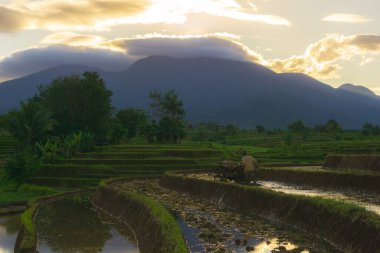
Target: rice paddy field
(286, 148)
(151, 160)
(286, 167)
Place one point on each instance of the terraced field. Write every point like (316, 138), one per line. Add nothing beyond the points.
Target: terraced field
(8, 145)
(88, 169)
(312, 149)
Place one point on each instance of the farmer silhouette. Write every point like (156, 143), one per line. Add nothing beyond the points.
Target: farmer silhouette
(250, 166)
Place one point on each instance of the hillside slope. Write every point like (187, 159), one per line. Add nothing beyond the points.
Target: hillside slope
(218, 90)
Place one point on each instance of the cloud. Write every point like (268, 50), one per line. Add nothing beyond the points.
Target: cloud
(346, 18)
(118, 54)
(187, 47)
(90, 15)
(25, 62)
(321, 59)
(73, 39)
(10, 20)
(217, 45)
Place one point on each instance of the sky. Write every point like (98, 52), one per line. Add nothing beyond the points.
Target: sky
(334, 41)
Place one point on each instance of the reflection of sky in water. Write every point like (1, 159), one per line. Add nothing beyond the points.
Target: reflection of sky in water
(72, 225)
(266, 246)
(191, 236)
(7, 236)
(369, 202)
(117, 244)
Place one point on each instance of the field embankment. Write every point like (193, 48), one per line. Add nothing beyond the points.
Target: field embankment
(321, 178)
(353, 162)
(349, 227)
(155, 228)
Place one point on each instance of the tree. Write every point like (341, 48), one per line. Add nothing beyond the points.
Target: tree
(133, 120)
(333, 127)
(297, 126)
(171, 130)
(370, 129)
(168, 107)
(320, 128)
(260, 129)
(79, 103)
(21, 166)
(31, 123)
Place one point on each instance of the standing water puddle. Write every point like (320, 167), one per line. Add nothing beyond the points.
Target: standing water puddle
(235, 241)
(369, 202)
(9, 226)
(73, 225)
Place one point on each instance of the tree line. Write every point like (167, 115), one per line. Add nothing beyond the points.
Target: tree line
(74, 113)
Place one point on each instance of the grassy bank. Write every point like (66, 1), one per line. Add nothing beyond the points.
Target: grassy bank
(155, 228)
(351, 228)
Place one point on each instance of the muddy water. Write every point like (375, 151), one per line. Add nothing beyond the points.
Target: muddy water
(207, 228)
(368, 201)
(73, 225)
(9, 226)
(371, 202)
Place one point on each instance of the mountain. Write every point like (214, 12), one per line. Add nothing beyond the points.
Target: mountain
(219, 90)
(358, 89)
(14, 91)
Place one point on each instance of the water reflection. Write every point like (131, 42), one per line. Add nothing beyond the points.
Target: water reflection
(72, 225)
(368, 201)
(9, 226)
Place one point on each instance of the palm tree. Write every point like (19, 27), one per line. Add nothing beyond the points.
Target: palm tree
(31, 123)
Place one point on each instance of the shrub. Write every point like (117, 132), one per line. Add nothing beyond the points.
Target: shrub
(21, 166)
(48, 151)
(87, 142)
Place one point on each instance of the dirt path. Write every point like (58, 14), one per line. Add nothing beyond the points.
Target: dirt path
(209, 229)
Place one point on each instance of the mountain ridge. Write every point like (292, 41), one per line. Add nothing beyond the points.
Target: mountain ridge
(224, 91)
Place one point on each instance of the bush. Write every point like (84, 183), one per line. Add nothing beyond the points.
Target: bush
(21, 166)
(72, 144)
(87, 142)
(48, 151)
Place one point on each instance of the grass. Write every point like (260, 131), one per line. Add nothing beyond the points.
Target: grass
(11, 193)
(171, 233)
(128, 161)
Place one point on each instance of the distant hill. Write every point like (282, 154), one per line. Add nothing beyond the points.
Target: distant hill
(218, 90)
(358, 89)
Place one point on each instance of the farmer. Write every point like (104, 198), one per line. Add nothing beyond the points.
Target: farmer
(250, 166)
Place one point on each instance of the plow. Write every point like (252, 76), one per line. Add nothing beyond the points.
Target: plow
(229, 172)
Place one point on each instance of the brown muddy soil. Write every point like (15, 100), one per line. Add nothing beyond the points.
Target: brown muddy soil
(207, 228)
(370, 201)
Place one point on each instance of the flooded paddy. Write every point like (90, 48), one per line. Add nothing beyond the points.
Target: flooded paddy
(73, 225)
(208, 228)
(371, 202)
(9, 226)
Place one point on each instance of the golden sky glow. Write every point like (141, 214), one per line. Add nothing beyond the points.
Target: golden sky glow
(335, 41)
